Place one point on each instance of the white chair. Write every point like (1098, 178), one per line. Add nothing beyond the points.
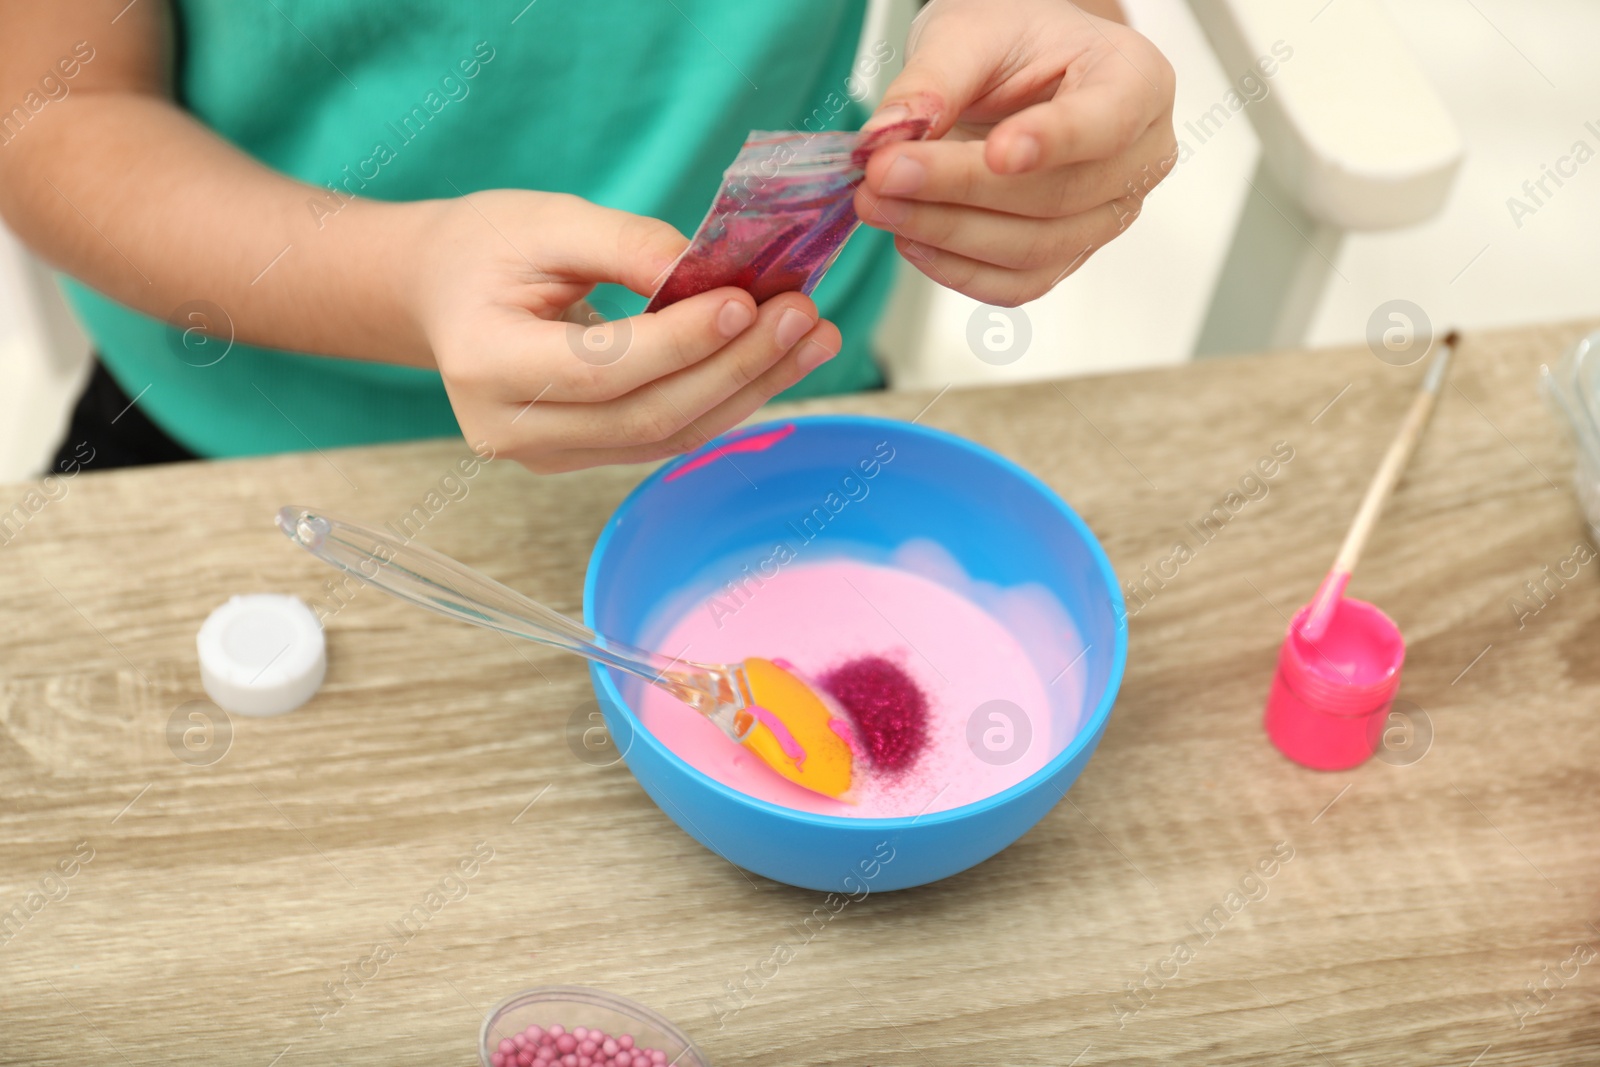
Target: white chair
(1353, 137)
(44, 358)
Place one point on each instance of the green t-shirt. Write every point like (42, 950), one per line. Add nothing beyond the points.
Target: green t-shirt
(633, 105)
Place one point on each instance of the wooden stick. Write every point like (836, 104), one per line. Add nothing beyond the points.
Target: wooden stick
(1382, 485)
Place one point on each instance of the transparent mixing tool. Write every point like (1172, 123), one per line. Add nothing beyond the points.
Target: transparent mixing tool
(438, 583)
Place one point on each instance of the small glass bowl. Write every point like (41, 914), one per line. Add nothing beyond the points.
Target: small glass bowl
(573, 1006)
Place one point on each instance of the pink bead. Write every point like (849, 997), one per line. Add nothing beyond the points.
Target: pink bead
(498, 1059)
(657, 1056)
(519, 1040)
(610, 1047)
(534, 1033)
(580, 1032)
(585, 1046)
(569, 1060)
(566, 1042)
(622, 1059)
(557, 1030)
(625, 1041)
(524, 1058)
(507, 1046)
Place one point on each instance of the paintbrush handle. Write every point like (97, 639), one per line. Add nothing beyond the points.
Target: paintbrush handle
(1316, 619)
(1383, 483)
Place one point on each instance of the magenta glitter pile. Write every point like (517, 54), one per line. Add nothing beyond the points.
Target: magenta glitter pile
(889, 712)
(582, 1047)
(782, 213)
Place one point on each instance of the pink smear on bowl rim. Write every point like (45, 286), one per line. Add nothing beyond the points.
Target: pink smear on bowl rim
(756, 442)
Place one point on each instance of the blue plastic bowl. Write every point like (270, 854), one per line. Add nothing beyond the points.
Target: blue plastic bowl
(690, 527)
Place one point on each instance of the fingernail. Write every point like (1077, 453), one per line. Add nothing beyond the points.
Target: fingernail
(792, 326)
(887, 116)
(1022, 155)
(812, 355)
(912, 250)
(734, 318)
(891, 212)
(905, 176)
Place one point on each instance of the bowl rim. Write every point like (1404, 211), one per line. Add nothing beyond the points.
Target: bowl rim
(1087, 734)
(585, 995)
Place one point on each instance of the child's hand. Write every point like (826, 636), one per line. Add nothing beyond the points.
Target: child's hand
(1055, 126)
(501, 287)
(122, 188)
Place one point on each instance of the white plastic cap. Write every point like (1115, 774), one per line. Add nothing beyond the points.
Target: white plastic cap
(261, 654)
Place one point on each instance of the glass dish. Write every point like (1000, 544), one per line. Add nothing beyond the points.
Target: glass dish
(574, 1006)
(1573, 387)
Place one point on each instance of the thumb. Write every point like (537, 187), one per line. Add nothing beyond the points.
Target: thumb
(600, 244)
(942, 75)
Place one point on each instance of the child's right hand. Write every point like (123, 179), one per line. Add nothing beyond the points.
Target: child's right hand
(499, 284)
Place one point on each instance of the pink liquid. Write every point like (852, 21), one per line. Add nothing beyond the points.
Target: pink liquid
(822, 614)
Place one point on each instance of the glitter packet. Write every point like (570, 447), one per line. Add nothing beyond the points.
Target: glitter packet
(782, 213)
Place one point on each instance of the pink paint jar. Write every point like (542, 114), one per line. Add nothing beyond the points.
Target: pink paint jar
(1330, 698)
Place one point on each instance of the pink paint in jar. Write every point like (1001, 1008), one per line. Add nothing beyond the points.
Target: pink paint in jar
(1330, 697)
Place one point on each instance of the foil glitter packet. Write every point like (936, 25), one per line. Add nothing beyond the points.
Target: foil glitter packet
(784, 210)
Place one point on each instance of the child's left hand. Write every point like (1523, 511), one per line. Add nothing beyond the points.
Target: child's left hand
(1049, 127)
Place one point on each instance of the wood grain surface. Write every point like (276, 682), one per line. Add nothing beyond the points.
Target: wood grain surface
(1441, 905)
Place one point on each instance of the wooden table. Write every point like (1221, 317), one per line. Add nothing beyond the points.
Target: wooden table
(1423, 896)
